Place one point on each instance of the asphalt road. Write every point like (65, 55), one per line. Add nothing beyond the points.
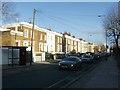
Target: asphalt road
(46, 76)
(43, 77)
(105, 75)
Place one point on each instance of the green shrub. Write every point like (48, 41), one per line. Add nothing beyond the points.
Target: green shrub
(73, 52)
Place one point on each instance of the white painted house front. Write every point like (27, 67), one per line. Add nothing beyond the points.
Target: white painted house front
(50, 41)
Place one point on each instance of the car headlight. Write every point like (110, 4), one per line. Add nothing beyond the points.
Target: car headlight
(59, 64)
(71, 65)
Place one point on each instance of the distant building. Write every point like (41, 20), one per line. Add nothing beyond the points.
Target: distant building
(70, 43)
(99, 48)
(44, 40)
(58, 42)
(53, 41)
(90, 47)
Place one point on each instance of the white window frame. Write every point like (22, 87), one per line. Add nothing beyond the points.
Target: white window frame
(51, 38)
(75, 43)
(26, 33)
(57, 48)
(31, 34)
(45, 47)
(58, 40)
(45, 37)
(60, 48)
(20, 27)
(41, 47)
(24, 43)
(41, 36)
(18, 42)
(71, 42)
(68, 41)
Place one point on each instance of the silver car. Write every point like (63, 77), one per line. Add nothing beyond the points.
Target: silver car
(87, 58)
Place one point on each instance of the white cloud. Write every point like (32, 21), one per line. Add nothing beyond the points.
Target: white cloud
(95, 31)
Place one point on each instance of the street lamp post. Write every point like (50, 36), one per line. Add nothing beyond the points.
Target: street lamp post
(34, 13)
(105, 36)
(89, 36)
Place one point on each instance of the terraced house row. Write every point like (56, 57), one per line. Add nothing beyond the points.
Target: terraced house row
(44, 40)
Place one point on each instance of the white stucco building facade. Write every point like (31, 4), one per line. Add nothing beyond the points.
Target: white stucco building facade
(50, 41)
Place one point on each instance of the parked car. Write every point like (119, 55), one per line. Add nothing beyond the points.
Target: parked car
(59, 56)
(78, 54)
(87, 58)
(89, 53)
(108, 54)
(96, 56)
(71, 62)
(49, 56)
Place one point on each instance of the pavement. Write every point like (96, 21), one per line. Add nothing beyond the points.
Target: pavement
(8, 70)
(6, 67)
(105, 75)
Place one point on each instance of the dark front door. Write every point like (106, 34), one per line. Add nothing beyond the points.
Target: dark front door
(22, 56)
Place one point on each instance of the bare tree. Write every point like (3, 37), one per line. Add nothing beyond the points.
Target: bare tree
(112, 27)
(7, 10)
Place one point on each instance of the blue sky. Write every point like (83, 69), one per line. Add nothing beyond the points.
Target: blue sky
(78, 18)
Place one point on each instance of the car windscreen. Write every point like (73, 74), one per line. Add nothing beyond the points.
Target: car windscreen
(70, 59)
(86, 56)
